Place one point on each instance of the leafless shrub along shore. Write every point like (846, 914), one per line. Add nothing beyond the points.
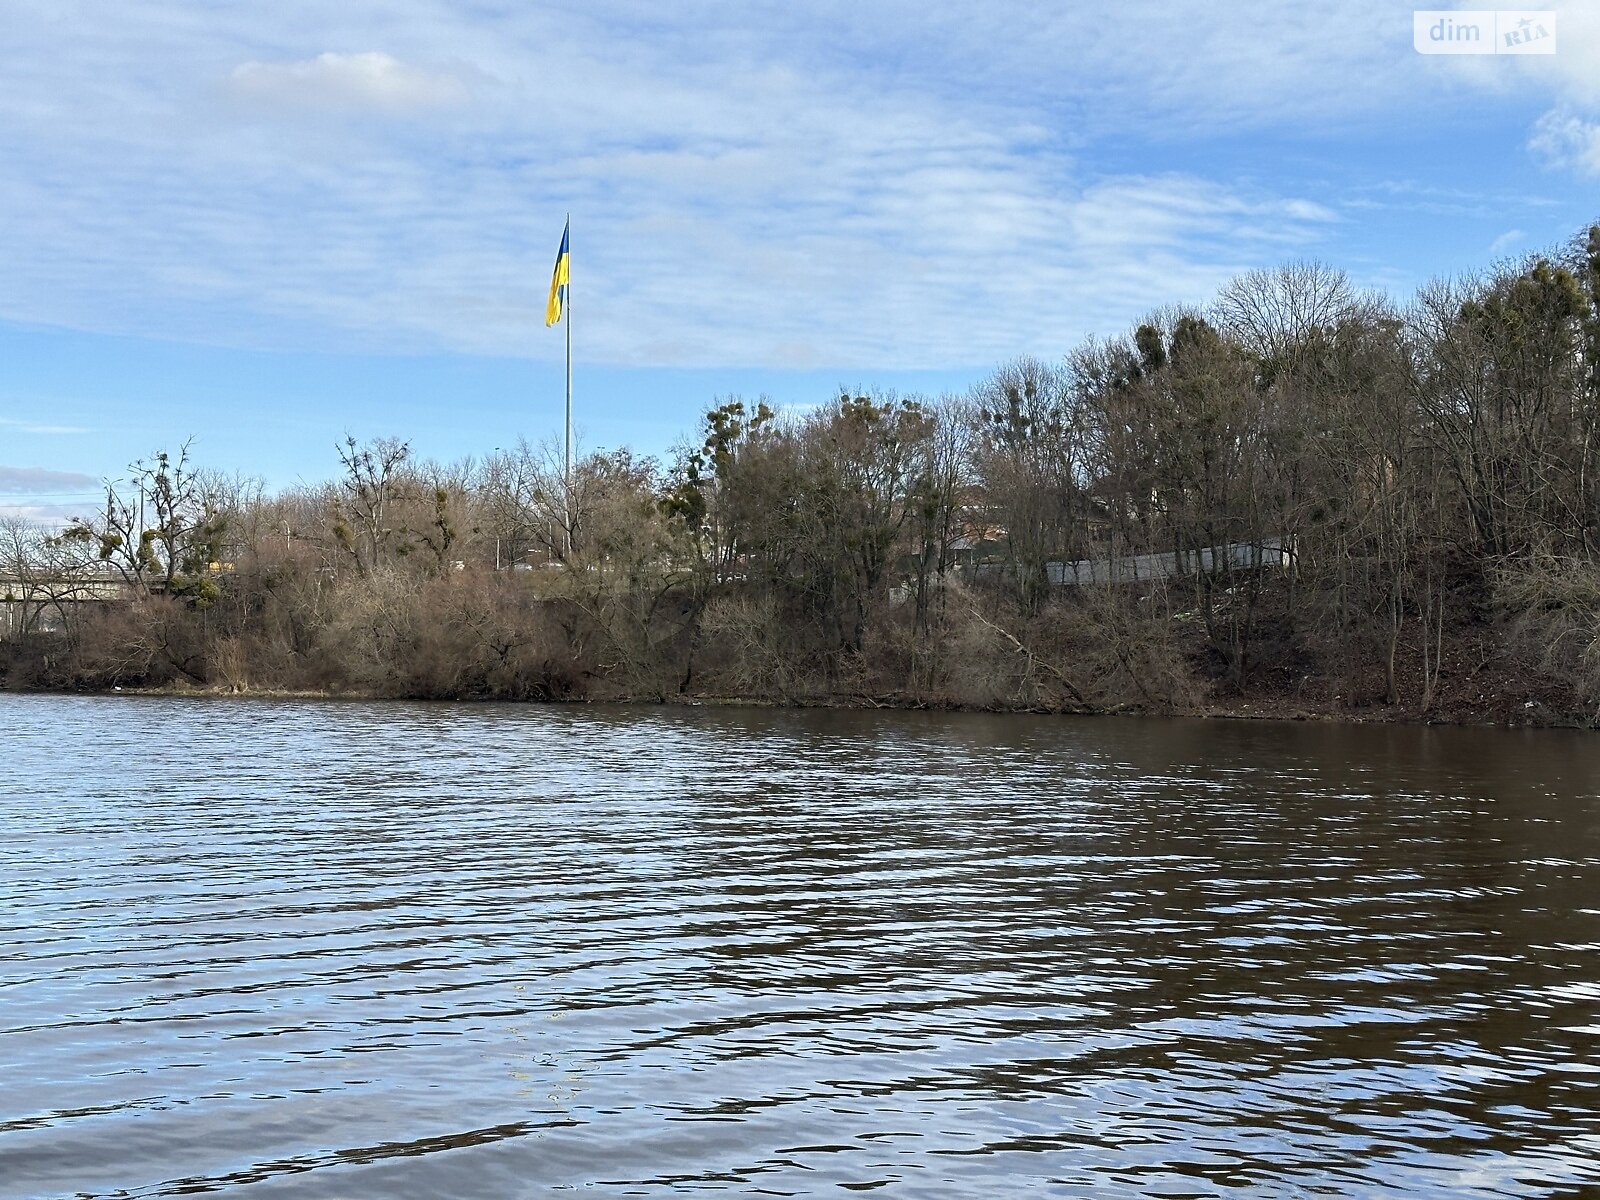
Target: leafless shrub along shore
(1298, 500)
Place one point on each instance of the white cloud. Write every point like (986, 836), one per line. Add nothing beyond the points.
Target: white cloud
(1568, 135)
(49, 516)
(1571, 72)
(38, 427)
(34, 481)
(369, 82)
(1564, 139)
(735, 201)
(1504, 243)
(838, 184)
(1454, 203)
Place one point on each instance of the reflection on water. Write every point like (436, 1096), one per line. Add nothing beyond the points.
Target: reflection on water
(299, 949)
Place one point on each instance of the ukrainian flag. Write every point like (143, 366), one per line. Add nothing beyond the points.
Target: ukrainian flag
(558, 281)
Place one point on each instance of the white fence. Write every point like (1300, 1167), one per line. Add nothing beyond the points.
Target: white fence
(1270, 554)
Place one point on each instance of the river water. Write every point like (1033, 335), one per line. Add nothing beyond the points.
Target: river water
(285, 949)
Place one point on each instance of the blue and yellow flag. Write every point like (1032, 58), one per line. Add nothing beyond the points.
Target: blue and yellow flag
(558, 282)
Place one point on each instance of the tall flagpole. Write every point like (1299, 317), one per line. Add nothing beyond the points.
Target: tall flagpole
(567, 461)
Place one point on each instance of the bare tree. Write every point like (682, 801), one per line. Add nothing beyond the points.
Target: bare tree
(162, 529)
(371, 485)
(40, 574)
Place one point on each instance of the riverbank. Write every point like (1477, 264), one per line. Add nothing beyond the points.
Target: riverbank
(1528, 709)
(497, 637)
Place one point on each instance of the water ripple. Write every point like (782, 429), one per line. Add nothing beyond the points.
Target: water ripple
(303, 949)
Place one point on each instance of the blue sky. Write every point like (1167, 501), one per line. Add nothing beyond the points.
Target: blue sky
(266, 226)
